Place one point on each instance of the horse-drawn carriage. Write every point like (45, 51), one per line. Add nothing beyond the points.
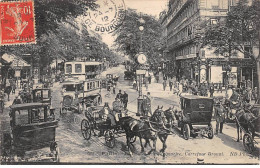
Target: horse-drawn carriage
(104, 120)
(129, 75)
(248, 121)
(195, 110)
(33, 127)
(42, 95)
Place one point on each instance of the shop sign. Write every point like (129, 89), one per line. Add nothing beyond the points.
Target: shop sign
(17, 73)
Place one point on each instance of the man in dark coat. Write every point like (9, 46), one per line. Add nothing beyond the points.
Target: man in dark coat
(125, 99)
(211, 90)
(146, 105)
(119, 95)
(220, 113)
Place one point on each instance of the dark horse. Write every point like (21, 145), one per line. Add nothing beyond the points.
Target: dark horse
(148, 130)
(159, 120)
(246, 119)
(169, 115)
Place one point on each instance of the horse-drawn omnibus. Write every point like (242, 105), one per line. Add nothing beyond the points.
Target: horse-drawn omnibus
(82, 70)
(82, 80)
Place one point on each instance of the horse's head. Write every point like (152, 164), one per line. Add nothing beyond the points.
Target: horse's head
(158, 116)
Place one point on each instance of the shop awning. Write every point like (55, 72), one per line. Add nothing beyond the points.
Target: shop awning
(16, 62)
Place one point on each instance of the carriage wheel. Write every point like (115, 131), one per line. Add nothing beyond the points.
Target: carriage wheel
(210, 132)
(186, 131)
(133, 139)
(248, 143)
(85, 129)
(110, 139)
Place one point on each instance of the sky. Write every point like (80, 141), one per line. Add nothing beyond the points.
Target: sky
(151, 7)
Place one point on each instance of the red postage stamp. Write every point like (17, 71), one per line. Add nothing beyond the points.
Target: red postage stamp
(17, 24)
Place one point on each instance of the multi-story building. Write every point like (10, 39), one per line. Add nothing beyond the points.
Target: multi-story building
(186, 22)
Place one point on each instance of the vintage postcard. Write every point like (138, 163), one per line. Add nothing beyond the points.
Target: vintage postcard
(157, 82)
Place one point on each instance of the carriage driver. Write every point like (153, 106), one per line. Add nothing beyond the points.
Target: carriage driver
(117, 108)
(106, 114)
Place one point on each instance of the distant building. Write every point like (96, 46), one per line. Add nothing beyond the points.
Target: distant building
(186, 22)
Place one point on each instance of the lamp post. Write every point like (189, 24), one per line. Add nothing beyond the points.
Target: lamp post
(227, 69)
(141, 58)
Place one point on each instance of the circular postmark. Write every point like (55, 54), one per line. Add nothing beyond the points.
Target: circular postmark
(107, 17)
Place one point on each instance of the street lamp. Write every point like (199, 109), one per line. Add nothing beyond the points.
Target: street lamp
(141, 58)
(227, 68)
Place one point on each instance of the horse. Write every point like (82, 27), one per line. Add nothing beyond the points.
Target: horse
(159, 119)
(141, 129)
(169, 114)
(8, 90)
(247, 120)
(148, 130)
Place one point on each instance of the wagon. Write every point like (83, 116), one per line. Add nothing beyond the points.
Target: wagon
(129, 75)
(33, 127)
(195, 115)
(93, 122)
(42, 95)
(71, 92)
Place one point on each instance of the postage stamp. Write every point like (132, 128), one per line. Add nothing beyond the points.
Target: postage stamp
(107, 17)
(17, 24)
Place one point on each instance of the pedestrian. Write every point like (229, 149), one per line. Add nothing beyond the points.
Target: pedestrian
(220, 113)
(13, 86)
(211, 90)
(119, 95)
(114, 88)
(164, 85)
(203, 90)
(125, 99)
(196, 90)
(149, 78)
(146, 83)
(170, 84)
(249, 94)
(146, 105)
(157, 77)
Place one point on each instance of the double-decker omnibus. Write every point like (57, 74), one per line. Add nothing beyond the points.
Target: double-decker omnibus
(86, 84)
(82, 70)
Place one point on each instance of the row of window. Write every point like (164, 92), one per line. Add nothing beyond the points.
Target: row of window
(187, 50)
(93, 85)
(189, 11)
(78, 68)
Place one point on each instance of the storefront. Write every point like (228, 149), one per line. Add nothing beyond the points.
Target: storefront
(235, 72)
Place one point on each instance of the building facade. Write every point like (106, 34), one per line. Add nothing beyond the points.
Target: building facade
(186, 23)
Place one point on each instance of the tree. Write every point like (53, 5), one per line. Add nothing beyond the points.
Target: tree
(48, 17)
(128, 36)
(241, 25)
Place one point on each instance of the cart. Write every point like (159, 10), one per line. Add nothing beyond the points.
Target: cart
(195, 116)
(93, 122)
(42, 95)
(33, 127)
(72, 92)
